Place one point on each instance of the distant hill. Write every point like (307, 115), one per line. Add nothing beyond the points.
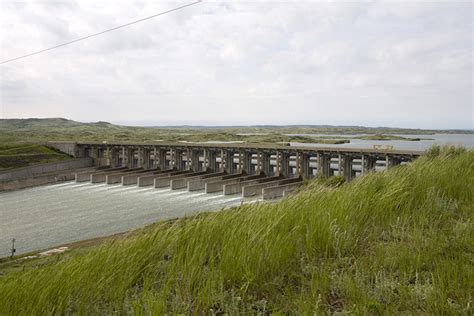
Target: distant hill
(46, 129)
(46, 122)
(63, 123)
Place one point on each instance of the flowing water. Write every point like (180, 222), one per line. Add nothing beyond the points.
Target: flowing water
(48, 216)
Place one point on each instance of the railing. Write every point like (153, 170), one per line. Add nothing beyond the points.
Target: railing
(383, 147)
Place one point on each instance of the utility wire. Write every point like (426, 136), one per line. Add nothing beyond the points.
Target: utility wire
(100, 33)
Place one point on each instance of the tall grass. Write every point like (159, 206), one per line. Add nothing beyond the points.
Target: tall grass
(393, 242)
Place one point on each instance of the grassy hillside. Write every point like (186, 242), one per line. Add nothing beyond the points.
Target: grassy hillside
(61, 129)
(16, 155)
(393, 242)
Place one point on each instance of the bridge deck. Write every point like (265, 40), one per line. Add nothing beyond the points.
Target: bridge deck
(252, 146)
(305, 161)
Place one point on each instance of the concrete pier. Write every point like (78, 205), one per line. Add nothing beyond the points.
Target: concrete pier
(98, 177)
(148, 180)
(117, 177)
(102, 176)
(200, 184)
(83, 176)
(182, 183)
(347, 163)
(166, 181)
(257, 189)
(23, 177)
(279, 191)
(324, 168)
(235, 188)
(368, 163)
(133, 178)
(216, 186)
(86, 176)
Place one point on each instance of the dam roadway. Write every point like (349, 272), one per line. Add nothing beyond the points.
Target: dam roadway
(232, 165)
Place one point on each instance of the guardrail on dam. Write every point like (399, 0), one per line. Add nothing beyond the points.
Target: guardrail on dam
(247, 169)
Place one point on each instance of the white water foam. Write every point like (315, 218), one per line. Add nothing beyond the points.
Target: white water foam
(46, 216)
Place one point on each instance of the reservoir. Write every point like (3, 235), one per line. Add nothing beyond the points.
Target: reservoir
(466, 140)
(48, 216)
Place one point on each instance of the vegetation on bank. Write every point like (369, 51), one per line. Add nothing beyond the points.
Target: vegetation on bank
(66, 130)
(390, 137)
(16, 155)
(248, 138)
(400, 241)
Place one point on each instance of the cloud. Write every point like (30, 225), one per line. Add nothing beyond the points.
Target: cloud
(247, 62)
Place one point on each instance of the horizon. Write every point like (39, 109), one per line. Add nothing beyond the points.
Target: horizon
(381, 63)
(151, 125)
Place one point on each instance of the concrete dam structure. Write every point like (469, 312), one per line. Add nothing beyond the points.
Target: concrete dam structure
(247, 169)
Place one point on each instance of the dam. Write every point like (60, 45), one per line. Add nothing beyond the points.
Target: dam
(111, 188)
(247, 169)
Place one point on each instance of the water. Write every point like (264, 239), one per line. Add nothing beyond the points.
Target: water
(48, 216)
(466, 140)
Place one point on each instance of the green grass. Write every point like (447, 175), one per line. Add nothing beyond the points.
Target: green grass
(16, 155)
(396, 242)
(66, 130)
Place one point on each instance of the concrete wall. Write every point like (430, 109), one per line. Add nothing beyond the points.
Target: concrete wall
(68, 148)
(27, 183)
(183, 183)
(215, 186)
(234, 188)
(257, 189)
(85, 176)
(165, 182)
(112, 178)
(133, 178)
(144, 181)
(279, 191)
(102, 176)
(200, 184)
(98, 177)
(43, 179)
(29, 172)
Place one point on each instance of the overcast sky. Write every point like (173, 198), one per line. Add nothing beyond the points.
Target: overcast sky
(374, 63)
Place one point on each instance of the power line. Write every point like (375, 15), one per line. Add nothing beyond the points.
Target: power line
(100, 33)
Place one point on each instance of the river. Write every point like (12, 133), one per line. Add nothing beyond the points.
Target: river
(48, 216)
(466, 140)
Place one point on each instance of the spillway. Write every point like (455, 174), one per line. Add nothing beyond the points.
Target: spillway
(48, 216)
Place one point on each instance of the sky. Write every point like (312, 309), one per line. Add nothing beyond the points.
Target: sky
(371, 63)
